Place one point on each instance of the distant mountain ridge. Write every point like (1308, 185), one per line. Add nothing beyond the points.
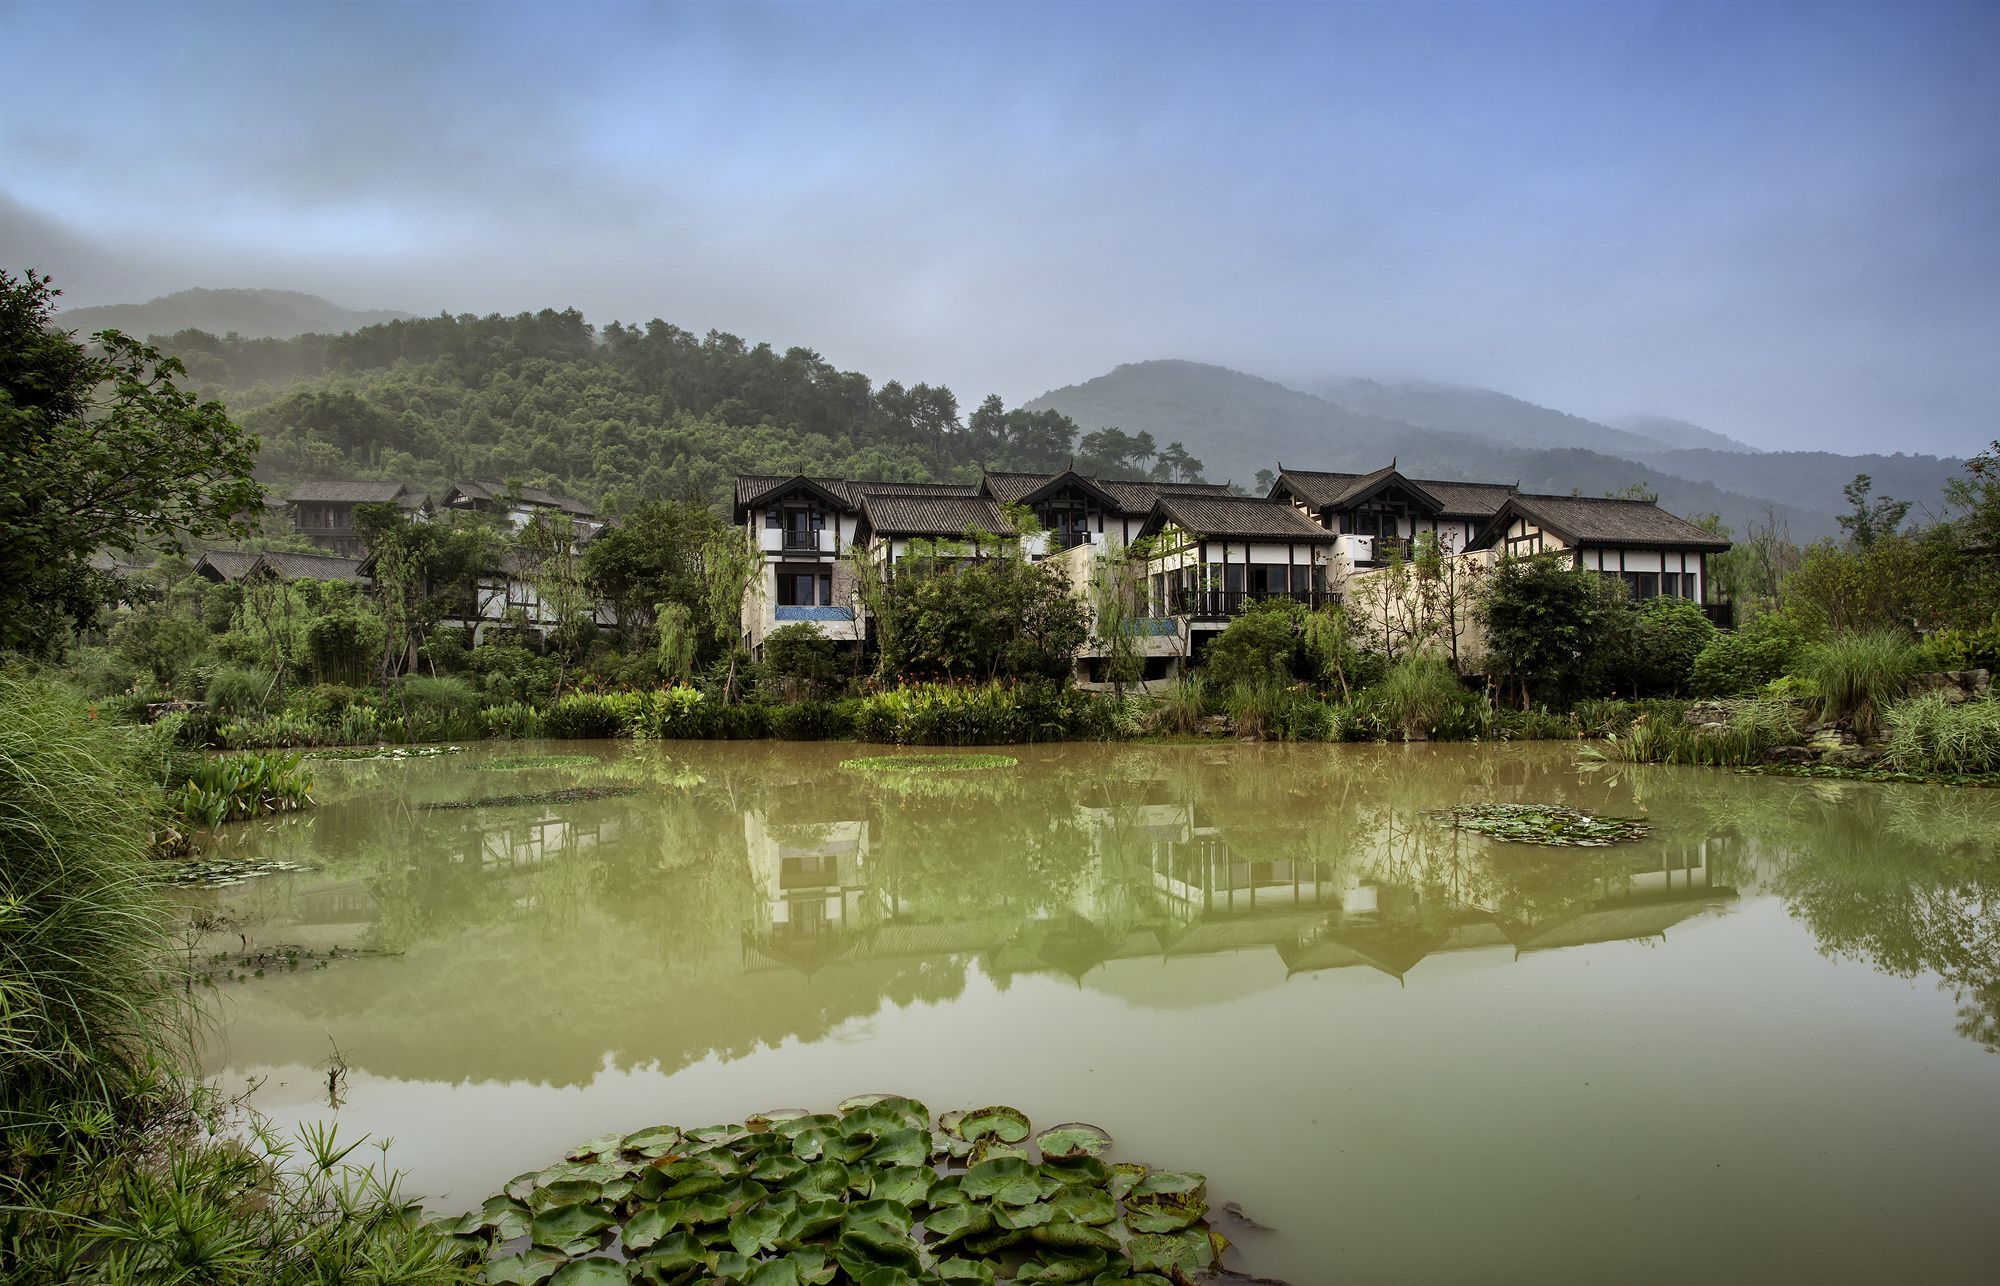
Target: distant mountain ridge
(253, 314)
(1238, 424)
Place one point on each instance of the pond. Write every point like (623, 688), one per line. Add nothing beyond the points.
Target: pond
(1755, 1044)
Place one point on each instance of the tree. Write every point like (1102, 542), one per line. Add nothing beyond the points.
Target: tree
(98, 449)
(728, 568)
(1667, 635)
(651, 558)
(1260, 647)
(800, 658)
(1328, 636)
(1117, 600)
(564, 607)
(1543, 621)
(956, 614)
(1976, 496)
(1448, 589)
(1870, 521)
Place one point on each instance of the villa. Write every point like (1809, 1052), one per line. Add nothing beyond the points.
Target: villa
(1317, 537)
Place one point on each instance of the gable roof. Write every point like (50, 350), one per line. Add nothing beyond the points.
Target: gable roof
(933, 515)
(311, 567)
(1070, 479)
(225, 564)
(1138, 497)
(753, 489)
(1587, 520)
(494, 492)
(345, 491)
(1238, 517)
(1467, 499)
(1338, 490)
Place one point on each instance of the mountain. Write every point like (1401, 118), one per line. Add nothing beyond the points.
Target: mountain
(1238, 424)
(253, 314)
(1679, 434)
(1484, 413)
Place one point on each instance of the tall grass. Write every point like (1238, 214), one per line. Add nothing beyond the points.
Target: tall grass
(1932, 735)
(88, 1016)
(1421, 697)
(1856, 674)
(1755, 727)
(1181, 708)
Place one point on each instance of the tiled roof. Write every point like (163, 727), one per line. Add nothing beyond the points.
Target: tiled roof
(1138, 497)
(339, 491)
(906, 515)
(537, 496)
(1584, 520)
(754, 486)
(229, 564)
(1241, 517)
(312, 566)
(1467, 499)
(1324, 490)
(1008, 488)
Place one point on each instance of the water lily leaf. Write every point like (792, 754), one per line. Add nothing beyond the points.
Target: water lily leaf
(695, 1185)
(965, 1270)
(677, 1252)
(573, 1230)
(1010, 1180)
(1009, 1125)
(778, 1272)
(908, 1109)
(742, 1194)
(989, 1148)
(945, 1191)
(728, 1264)
(810, 1219)
(1118, 1277)
(1023, 1216)
(566, 1192)
(909, 1184)
(955, 1223)
(887, 1275)
(1074, 1139)
(717, 1134)
(791, 1126)
(654, 1141)
(603, 1145)
(756, 1229)
(1084, 1205)
(867, 1242)
(903, 1147)
(1068, 1234)
(1162, 1217)
(995, 1241)
(1085, 1171)
(1125, 1176)
(766, 1121)
(1063, 1266)
(595, 1271)
(651, 1225)
(531, 1267)
(503, 1217)
(1175, 1253)
(776, 1171)
(521, 1185)
(830, 1144)
(1172, 1183)
(708, 1208)
(822, 1179)
(816, 1267)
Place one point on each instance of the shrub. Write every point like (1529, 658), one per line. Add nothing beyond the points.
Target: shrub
(234, 691)
(813, 720)
(1181, 709)
(1306, 718)
(1256, 709)
(1963, 649)
(1731, 664)
(1668, 634)
(1257, 649)
(800, 659)
(585, 715)
(83, 935)
(1856, 673)
(1540, 724)
(439, 709)
(1932, 735)
(285, 730)
(510, 672)
(944, 714)
(1420, 696)
(514, 721)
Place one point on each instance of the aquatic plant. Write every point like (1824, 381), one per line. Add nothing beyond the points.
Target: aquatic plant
(1857, 673)
(575, 794)
(1550, 824)
(1753, 728)
(217, 872)
(1929, 734)
(875, 1192)
(361, 753)
(928, 763)
(234, 788)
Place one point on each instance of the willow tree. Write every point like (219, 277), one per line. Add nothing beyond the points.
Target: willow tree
(729, 568)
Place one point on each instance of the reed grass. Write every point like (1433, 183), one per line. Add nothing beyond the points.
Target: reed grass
(1856, 674)
(1929, 734)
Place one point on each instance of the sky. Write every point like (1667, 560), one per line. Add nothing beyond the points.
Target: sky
(1780, 221)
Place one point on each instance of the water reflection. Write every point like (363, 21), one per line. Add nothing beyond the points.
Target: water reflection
(749, 894)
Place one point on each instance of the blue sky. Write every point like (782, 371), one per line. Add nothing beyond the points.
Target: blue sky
(1781, 221)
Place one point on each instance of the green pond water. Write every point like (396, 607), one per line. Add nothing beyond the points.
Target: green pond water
(1756, 1045)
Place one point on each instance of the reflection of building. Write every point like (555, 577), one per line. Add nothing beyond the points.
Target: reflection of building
(811, 875)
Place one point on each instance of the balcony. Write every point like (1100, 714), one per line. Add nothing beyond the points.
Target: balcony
(1721, 615)
(1371, 551)
(799, 542)
(1220, 603)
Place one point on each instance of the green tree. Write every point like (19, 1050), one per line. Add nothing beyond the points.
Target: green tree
(999, 615)
(800, 658)
(1668, 634)
(1543, 623)
(649, 558)
(98, 450)
(1259, 648)
(1976, 497)
(729, 567)
(1871, 520)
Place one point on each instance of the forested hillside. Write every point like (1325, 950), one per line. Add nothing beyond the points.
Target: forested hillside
(1240, 424)
(615, 416)
(256, 314)
(1483, 413)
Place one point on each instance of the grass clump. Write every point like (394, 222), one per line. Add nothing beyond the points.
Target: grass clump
(1754, 728)
(1421, 697)
(1857, 674)
(928, 763)
(1928, 734)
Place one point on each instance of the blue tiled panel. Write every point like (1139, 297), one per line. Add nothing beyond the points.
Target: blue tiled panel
(815, 613)
(1154, 625)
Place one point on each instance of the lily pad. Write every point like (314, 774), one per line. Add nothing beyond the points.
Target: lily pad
(1073, 1139)
(595, 1271)
(1007, 1180)
(571, 1230)
(1548, 824)
(928, 763)
(1176, 1253)
(1008, 1124)
(531, 1267)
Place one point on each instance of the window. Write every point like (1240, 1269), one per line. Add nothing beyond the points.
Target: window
(1644, 585)
(805, 588)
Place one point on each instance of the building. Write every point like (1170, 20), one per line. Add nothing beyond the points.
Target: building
(518, 506)
(1653, 552)
(231, 566)
(323, 510)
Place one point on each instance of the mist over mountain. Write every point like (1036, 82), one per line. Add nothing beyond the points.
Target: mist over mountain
(1238, 423)
(1679, 434)
(253, 314)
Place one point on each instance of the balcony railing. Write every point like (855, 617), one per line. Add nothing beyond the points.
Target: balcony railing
(800, 542)
(1231, 602)
(1721, 615)
(1068, 539)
